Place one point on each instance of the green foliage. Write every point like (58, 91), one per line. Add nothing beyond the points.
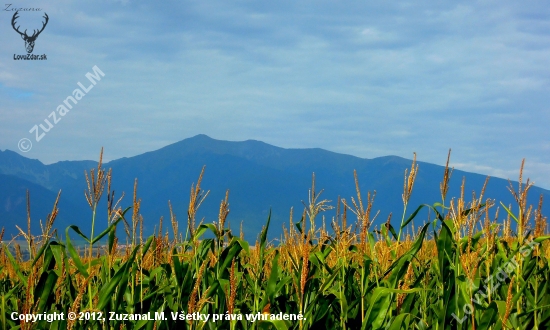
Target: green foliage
(437, 279)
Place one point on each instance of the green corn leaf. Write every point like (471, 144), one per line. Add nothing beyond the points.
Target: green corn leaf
(509, 212)
(202, 229)
(392, 231)
(73, 254)
(541, 239)
(401, 321)
(79, 232)
(489, 316)
(229, 254)
(45, 290)
(272, 281)
(413, 215)
(379, 304)
(111, 227)
(118, 280)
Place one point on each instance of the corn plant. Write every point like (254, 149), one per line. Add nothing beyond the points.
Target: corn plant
(462, 269)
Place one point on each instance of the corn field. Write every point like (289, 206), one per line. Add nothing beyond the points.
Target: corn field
(465, 267)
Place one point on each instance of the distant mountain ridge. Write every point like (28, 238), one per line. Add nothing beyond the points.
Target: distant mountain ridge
(259, 176)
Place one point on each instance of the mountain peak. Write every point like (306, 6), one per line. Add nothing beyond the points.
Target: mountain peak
(200, 137)
(260, 176)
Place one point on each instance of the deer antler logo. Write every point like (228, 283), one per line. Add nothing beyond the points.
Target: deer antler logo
(29, 40)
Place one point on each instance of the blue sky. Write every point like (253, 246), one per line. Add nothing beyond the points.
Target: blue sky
(367, 78)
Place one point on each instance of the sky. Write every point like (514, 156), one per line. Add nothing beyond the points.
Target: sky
(366, 78)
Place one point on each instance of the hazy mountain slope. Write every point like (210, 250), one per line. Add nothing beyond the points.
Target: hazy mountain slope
(259, 176)
(13, 206)
(50, 176)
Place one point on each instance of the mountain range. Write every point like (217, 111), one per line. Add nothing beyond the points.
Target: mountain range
(261, 178)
